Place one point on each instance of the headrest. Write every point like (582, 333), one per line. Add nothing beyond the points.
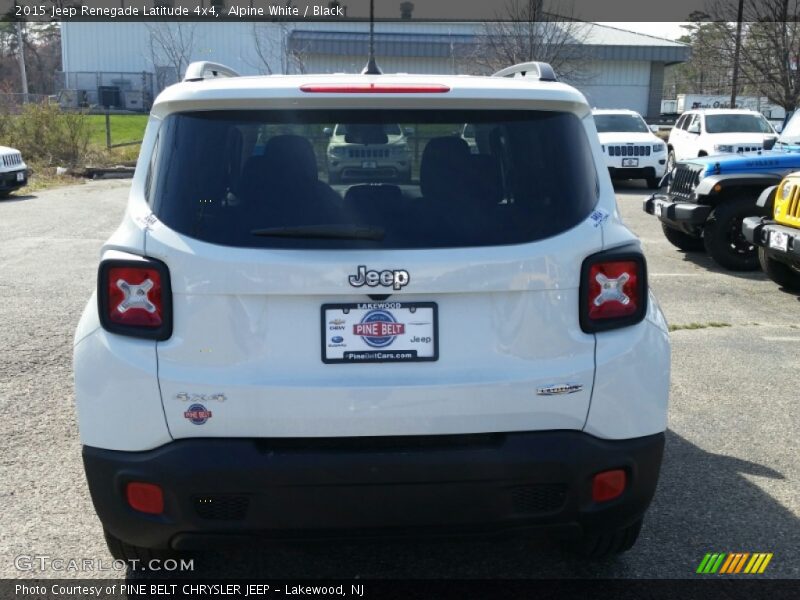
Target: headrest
(444, 165)
(290, 158)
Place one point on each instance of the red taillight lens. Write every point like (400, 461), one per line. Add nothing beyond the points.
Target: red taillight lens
(145, 497)
(613, 289)
(373, 88)
(135, 297)
(608, 485)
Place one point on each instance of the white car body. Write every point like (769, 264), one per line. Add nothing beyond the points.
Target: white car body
(13, 170)
(246, 337)
(690, 137)
(632, 154)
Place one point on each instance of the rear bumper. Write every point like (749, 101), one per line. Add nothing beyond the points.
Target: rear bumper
(757, 231)
(677, 213)
(217, 489)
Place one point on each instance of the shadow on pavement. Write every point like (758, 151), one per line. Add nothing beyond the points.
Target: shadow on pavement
(704, 503)
(10, 199)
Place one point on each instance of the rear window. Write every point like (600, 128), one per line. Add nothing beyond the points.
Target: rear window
(287, 179)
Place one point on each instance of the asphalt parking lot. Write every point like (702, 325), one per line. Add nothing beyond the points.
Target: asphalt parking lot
(730, 480)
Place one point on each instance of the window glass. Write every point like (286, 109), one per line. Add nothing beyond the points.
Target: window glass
(373, 178)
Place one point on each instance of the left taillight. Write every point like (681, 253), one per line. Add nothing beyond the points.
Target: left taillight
(135, 298)
(613, 290)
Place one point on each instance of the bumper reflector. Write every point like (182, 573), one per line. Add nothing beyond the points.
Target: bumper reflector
(145, 497)
(608, 485)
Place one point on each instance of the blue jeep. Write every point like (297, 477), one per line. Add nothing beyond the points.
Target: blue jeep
(709, 196)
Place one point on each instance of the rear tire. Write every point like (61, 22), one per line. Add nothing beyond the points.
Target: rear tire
(784, 275)
(610, 543)
(122, 551)
(682, 240)
(723, 237)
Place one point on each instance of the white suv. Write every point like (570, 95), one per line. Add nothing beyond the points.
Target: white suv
(382, 157)
(705, 132)
(13, 171)
(632, 150)
(267, 354)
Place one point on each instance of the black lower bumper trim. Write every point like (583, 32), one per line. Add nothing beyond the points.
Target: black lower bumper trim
(758, 230)
(686, 216)
(632, 172)
(217, 489)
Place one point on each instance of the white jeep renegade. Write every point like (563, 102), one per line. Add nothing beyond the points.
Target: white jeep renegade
(268, 354)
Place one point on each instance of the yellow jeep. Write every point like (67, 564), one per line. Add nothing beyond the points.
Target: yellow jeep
(778, 238)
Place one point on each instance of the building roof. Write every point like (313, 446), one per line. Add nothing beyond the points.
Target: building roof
(409, 40)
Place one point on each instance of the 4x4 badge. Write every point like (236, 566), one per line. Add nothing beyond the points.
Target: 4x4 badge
(397, 278)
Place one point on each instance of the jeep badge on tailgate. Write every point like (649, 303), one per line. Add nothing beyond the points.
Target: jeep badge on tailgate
(396, 279)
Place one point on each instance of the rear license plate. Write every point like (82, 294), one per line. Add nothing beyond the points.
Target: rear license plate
(779, 241)
(370, 332)
(20, 176)
(630, 162)
(369, 164)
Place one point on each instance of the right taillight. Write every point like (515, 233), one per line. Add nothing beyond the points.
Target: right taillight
(134, 298)
(613, 290)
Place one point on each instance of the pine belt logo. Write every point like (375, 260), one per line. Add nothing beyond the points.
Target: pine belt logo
(396, 279)
(734, 563)
(379, 328)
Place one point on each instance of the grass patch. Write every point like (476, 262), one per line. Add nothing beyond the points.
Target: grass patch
(690, 326)
(44, 178)
(124, 128)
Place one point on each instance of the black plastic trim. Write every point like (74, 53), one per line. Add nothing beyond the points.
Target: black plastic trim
(627, 252)
(385, 486)
(161, 333)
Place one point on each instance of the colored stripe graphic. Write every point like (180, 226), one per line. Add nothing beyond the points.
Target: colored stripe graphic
(734, 562)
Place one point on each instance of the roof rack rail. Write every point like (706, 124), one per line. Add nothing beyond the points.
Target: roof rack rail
(200, 70)
(543, 70)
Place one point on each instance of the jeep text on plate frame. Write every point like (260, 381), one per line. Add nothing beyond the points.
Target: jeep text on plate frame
(372, 332)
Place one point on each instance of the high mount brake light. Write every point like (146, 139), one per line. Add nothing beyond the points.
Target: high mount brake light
(374, 88)
(613, 290)
(134, 298)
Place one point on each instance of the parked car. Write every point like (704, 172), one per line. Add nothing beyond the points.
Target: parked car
(478, 351)
(777, 235)
(13, 171)
(631, 149)
(354, 158)
(708, 198)
(705, 132)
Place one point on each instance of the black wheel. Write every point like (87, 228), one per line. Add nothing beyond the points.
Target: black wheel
(5, 194)
(787, 276)
(653, 183)
(603, 545)
(122, 551)
(723, 237)
(682, 240)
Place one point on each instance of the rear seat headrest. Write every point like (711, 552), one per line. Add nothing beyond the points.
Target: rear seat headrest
(290, 158)
(444, 165)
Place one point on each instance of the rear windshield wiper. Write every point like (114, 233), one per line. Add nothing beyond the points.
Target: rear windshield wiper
(323, 232)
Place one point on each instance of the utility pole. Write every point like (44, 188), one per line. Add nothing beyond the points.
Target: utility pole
(21, 60)
(736, 52)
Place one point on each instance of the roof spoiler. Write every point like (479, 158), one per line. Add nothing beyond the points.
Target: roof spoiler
(543, 71)
(198, 71)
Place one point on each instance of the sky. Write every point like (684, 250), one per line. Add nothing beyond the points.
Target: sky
(667, 30)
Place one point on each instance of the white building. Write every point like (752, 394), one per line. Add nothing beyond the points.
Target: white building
(626, 69)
